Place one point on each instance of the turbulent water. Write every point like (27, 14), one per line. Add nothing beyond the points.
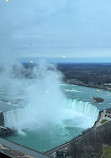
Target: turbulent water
(75, 117)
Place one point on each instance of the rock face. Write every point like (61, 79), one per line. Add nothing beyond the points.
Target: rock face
(98, 100)
(1, 119)
(5, 131)
(108, 110)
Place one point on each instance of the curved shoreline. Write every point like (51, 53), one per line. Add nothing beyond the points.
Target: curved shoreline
(79, 83)
(64, 147)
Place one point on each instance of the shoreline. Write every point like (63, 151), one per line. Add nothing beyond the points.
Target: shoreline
(79, 83)
(65, 147)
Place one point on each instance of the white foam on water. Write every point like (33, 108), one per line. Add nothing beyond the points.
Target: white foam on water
(21, 132)
(73, 90)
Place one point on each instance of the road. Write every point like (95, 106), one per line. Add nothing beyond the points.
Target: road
(22, 149)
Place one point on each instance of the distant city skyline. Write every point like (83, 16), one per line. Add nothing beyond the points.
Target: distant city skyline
(46, 28)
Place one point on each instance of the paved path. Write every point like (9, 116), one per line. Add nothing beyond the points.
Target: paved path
(22, 149)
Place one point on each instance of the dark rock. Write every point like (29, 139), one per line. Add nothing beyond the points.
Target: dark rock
(5, 131)
(5, 100)
(108, 110)
(1, 119)
(98, 100)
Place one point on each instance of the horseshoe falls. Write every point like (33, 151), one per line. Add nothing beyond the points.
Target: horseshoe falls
(74, 117)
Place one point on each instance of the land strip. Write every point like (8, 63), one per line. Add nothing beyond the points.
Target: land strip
(15, 150)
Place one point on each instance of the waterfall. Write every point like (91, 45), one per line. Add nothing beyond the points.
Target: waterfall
(15, 117)
(25, 117)
(81, 107)
(79, 114)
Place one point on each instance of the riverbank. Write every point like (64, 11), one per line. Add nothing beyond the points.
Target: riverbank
(10, 149)
(96, 75)
(103, 118)
(89, 84)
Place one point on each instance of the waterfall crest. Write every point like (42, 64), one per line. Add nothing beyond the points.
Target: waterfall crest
(22, 118)
(81, 107)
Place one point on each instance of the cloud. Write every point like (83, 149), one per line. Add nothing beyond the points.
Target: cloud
(46, 27)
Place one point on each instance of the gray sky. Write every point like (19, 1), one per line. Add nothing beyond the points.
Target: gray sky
(52, 28)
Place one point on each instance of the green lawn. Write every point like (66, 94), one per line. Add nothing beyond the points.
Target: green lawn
(103, 121)
(107, 152)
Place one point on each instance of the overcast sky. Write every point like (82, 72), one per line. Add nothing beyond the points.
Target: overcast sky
(53, 28)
